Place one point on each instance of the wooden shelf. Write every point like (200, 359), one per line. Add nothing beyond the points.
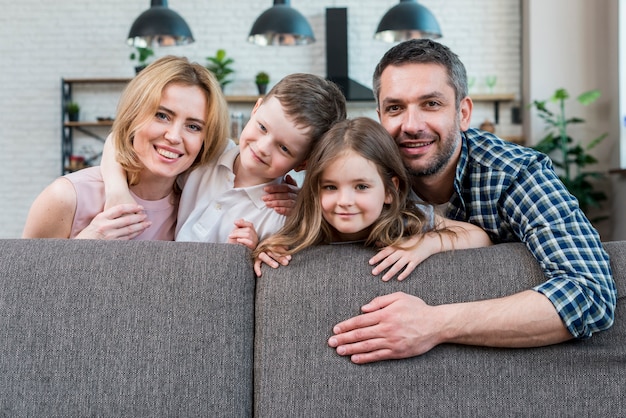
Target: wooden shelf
(242, 99)
(97, 80)
(496, 98)
(88, 123)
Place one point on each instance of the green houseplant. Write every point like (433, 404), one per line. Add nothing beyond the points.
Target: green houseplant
(221, 67)
(262, 79)
(568, 156)
(141, 55)
(72, 109)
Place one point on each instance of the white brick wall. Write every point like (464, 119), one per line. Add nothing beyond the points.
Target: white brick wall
(41, 42)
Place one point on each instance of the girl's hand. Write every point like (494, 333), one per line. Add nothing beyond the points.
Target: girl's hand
(244, 234)
(405, 258)
(123, 222)
(271, 258)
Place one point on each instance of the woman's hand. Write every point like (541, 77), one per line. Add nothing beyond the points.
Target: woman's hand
(123, 222)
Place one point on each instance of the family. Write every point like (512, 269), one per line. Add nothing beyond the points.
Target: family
(417, 182)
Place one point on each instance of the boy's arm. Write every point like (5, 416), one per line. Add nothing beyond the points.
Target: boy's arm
(114, 177)
(464, 236)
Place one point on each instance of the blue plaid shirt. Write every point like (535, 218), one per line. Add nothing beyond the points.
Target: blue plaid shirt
(513, 193)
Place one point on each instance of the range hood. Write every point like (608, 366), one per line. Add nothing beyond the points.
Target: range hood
(337, 56)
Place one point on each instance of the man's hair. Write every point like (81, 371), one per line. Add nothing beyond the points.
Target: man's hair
(424, 51)
(312, 102)
(140, 102)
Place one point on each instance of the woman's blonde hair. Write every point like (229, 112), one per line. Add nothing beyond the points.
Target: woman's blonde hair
(366, 137)
(140, 102)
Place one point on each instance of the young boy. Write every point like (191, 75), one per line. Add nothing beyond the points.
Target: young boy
(222, 201)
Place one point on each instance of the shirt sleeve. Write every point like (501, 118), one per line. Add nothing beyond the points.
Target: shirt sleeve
(549, 221)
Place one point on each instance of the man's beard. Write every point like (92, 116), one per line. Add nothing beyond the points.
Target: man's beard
(442, 158)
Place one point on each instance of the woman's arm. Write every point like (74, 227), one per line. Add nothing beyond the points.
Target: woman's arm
(461, 235)
(52, 213)
(115, 180)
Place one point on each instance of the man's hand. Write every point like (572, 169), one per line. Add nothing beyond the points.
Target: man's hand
(272, 259)
(391, 327)
(400, 326)
(282, 197)
(123, 222)
(244, 234)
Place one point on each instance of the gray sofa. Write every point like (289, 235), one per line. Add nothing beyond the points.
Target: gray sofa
(94, 328)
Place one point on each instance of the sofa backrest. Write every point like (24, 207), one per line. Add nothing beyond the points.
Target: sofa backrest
(145, 329)
(297, 374)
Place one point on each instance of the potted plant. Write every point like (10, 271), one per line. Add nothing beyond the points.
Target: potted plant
(568, 156)
(262, 79)
(72, 109)
(141, 55)
(221, 67)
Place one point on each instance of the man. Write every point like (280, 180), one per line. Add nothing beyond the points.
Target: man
(511, 192)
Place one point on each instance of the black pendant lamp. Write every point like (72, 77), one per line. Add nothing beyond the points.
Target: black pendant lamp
(281, 25)
(407, 20)
(159, 25)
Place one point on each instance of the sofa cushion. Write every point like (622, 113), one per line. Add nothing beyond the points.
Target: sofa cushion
(96, 328)
(297, 374)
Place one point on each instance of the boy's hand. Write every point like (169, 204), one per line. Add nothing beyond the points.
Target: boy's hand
(244, 234)
(122, 222)
(272, 259)
(282, 197)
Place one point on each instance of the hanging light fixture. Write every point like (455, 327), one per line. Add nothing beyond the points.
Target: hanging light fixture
(407, 20)
(281, 25)
(159, 25)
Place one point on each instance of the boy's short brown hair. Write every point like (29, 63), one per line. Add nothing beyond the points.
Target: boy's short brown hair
(311, 101)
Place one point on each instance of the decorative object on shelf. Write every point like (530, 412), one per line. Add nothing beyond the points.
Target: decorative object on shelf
(407, 20)
(77, 162)
(568, 156)
(281, 25)
(490, 82)
(220, 66)
(262, 79)
(141, 55)
(488, 126)
(159, 25)
(73, 110)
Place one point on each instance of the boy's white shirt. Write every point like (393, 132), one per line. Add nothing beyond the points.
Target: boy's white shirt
(210, 204)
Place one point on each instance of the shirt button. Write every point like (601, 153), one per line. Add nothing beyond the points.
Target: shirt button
(218, 206)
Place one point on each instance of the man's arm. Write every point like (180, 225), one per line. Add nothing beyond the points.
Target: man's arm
(399, 326)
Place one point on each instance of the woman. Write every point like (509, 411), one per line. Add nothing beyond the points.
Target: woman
(171, 118)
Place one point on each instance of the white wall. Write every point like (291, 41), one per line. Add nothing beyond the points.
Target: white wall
(573, 44)
(40, 42)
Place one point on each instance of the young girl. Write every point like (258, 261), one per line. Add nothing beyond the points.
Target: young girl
(356, 189)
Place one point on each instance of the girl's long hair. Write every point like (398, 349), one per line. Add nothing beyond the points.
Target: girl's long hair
(306, 226)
